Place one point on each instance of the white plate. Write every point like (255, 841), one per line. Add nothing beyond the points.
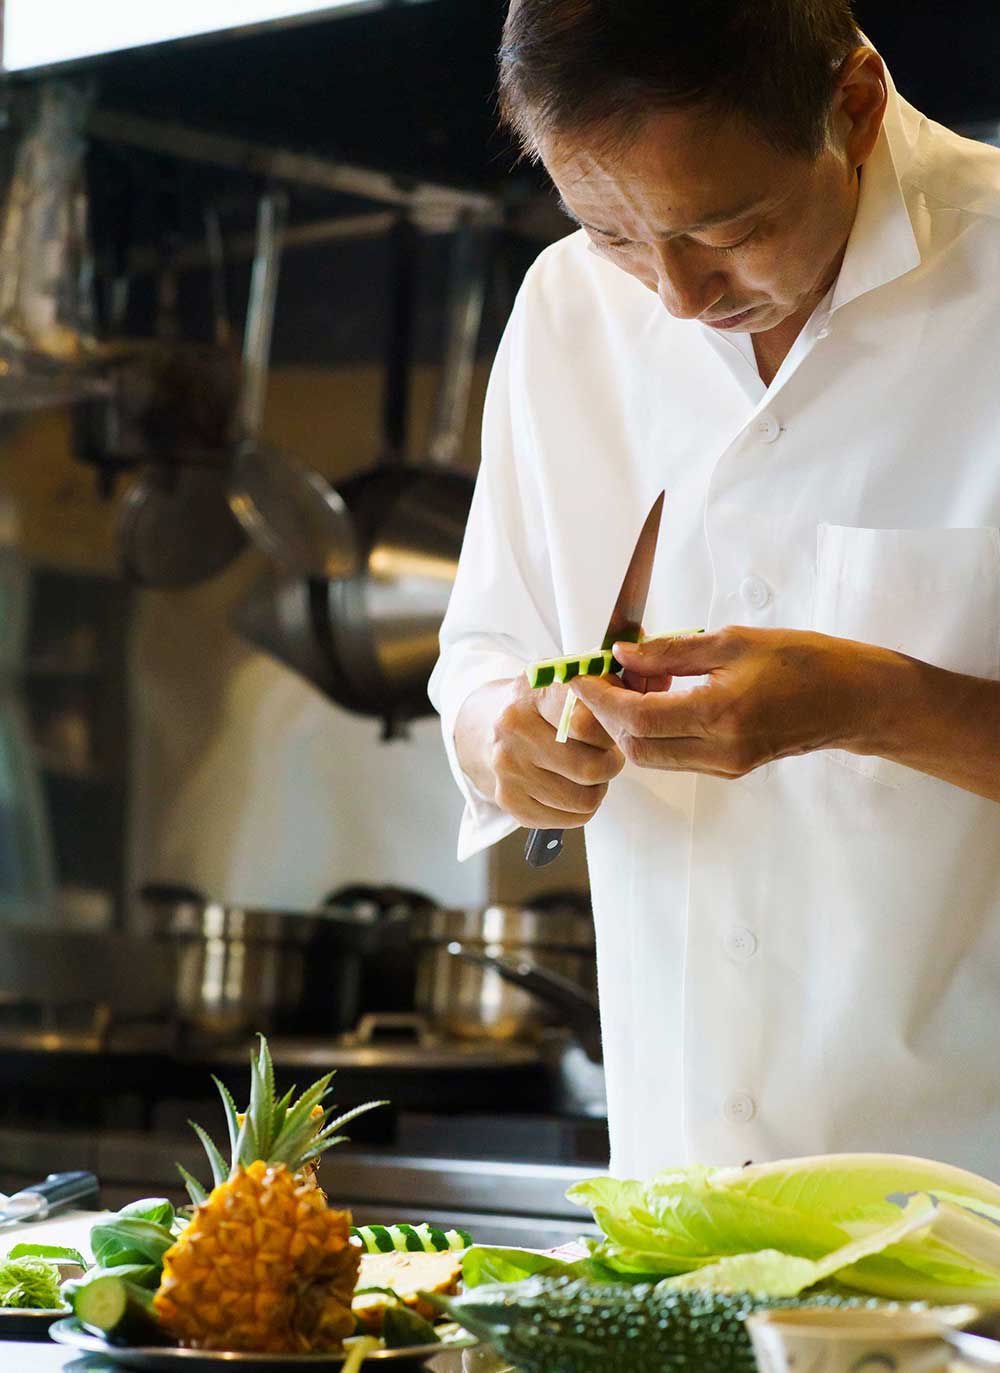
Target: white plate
(173, 1359)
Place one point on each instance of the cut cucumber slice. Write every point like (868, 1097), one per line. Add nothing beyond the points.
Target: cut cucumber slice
(600, 663)
(414, 1239)
(552, 670)
(101, 1304)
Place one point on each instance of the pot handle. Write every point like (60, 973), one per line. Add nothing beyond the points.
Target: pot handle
(578, 1006)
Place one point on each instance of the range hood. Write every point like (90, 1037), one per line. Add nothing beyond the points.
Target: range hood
(43, 33)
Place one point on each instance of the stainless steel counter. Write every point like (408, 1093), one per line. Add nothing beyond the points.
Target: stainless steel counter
(498, 1202)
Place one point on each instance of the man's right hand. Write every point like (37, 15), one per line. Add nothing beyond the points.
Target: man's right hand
(506, 740)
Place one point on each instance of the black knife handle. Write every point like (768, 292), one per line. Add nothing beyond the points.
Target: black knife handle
(62, 1189)
(543, 847)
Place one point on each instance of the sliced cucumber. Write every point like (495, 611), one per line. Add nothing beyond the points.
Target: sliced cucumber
(552, 670)
(113, 1306)
(600, 663)
(414, 1239)
(100, 1304)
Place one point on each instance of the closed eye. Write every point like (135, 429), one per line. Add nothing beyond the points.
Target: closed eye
(732, 247)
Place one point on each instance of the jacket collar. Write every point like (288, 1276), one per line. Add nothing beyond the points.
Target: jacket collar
(882, 246)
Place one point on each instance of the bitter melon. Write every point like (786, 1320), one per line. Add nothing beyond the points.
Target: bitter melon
(569, 1325)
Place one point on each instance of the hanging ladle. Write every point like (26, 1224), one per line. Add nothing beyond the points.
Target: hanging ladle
(288, 510)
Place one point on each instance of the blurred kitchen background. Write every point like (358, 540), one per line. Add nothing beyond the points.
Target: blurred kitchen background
(254, 265)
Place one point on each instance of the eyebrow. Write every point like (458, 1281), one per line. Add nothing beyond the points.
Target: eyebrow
(720, 217)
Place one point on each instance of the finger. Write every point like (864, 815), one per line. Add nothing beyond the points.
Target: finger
(584, 728)
(533, 815)
(630, 714)
(524, 742)
(684, 755)
(635, 682)
(579, 762)
(682, 655)
(559, 793)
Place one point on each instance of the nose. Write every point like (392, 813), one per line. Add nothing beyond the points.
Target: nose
(685, 289)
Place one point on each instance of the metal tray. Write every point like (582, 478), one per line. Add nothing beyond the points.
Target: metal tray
(173, 1359)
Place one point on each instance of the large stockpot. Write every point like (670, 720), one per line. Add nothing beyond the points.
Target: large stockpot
(240, 969)
(463, 995)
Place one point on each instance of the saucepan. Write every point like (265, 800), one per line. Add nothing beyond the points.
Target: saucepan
(241, 969)
(506, 971)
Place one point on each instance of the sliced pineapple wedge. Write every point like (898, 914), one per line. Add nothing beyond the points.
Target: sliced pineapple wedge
(406, 1275)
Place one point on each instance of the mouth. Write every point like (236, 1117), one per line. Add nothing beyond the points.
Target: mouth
(730, 321)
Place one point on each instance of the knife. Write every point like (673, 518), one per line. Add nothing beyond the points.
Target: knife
(58, 1189)
(545, 846)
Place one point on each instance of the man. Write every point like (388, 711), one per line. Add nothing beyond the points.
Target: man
(781, 307)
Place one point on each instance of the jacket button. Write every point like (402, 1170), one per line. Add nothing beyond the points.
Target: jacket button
(766, 427)
(740, 944)
(755, 592)
(739, 1108)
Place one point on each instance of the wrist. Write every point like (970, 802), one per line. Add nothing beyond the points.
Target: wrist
(474, 735)
(886, 689)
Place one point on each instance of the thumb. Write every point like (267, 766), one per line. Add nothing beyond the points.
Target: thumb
(673, 655)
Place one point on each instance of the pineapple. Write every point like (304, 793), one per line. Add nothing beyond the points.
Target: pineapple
(265, 1265)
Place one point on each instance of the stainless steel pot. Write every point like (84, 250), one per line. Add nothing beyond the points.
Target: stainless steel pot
(240, 969)
(474, 969)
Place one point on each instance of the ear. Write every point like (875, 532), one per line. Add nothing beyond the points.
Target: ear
(859, 102)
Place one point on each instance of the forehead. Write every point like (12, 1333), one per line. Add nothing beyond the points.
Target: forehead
(679, 169)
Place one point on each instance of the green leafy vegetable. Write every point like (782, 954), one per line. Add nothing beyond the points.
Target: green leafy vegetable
(29, 1284)
(887, 1225)
(59, 1253)
(155, 1209)
(486, 1265)
(127, 1239)
(402, 1327)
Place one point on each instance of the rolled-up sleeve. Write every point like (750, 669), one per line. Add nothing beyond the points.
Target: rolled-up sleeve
(501, 615)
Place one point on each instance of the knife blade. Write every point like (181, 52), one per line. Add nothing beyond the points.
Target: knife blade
(545, 846)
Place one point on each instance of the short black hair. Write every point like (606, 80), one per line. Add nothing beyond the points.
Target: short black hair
(600, 66)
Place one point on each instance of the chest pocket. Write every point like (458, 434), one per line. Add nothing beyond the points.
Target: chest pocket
(931, 593)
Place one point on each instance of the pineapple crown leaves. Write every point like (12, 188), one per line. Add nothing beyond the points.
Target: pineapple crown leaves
(289, 1131)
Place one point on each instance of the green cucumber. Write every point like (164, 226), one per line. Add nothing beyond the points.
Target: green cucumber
(550, 670)
(414, 1239)
(114, 1307)
(101, 1303)
(600, 663)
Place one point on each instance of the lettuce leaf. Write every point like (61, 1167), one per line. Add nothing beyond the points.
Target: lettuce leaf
(886, 1225)
(774, 1274)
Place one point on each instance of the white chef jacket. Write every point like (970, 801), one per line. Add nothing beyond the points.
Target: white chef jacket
(807, 959)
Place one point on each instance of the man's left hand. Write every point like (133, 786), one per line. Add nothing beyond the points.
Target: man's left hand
(770, 693)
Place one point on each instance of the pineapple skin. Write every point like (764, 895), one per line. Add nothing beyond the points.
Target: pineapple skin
(265, 1266)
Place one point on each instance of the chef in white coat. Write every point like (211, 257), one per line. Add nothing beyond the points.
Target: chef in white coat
(782, 306)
